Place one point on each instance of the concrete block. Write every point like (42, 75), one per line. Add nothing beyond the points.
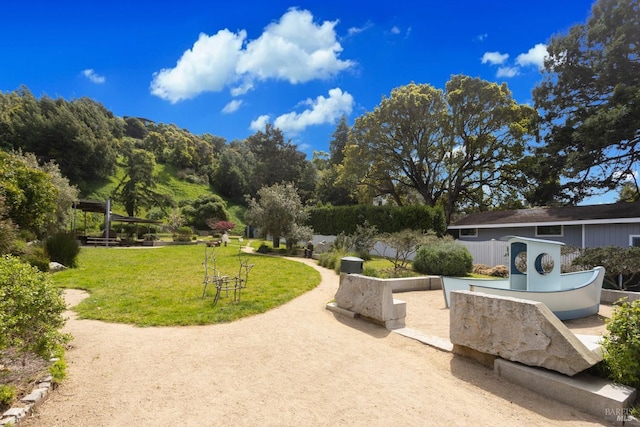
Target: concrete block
(610, 296)
(590, 394)
(430, 340)
(35, 395)
(409, 284)
(8, 421)
(371, 298)
(518, 330)
(332, 306)
(17, 413)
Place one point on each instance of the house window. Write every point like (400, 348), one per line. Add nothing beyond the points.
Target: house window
(468, 232)
(549, 230)
(634, 240)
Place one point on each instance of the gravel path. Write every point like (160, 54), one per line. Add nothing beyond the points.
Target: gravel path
(297, 365)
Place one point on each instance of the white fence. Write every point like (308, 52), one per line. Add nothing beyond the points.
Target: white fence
(489, 252)
(495, 252)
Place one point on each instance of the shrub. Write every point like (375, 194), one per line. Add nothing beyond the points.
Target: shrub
(497, 271)
(8, 230)
(342, 243)
(444, 259)
(622, 344)
(58, 370)
(7, 394)
(264, 249)
(370, 271)
(402, 245)
(63, 248)
(36, 256)
(617, 262)
(331, 259)
(30, 309)
(183, 234)
(364, 239)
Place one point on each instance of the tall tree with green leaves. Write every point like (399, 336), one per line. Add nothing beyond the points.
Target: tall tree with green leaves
(329, 188)
(232, 173)
(457, 149)
(276, 160)
(136, 189)
(339, 140)
(29, 194)
(278, 211)
(590, 103)
(396, 149)
(78, 135)
(487, 133)
(67, 194)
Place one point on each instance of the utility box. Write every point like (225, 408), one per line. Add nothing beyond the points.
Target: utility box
(351, 265)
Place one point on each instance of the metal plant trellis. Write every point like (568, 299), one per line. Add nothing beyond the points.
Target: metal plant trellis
(222, 283)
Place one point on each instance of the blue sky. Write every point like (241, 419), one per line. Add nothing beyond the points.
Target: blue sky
(228, 67)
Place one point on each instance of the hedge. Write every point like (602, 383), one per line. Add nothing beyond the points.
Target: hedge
(334, 220)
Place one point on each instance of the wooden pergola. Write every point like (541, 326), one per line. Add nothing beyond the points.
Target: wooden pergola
(104, 207)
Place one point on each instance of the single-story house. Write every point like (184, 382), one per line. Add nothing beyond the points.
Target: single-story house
(615, 224)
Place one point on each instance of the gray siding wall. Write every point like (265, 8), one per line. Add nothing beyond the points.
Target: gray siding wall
(610, 234)
(596, 235)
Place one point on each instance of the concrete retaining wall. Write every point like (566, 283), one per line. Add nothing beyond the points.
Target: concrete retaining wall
(371, 298)
(408, 284)
(609, 296)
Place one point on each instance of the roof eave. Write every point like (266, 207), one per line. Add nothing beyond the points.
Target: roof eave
(534, 224)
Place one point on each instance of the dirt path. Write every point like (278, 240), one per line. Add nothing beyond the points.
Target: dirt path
(297, 365)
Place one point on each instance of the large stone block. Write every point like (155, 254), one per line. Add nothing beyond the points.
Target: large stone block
(518, 330)
(371, 298)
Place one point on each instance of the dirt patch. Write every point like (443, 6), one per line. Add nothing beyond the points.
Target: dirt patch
(22, 371)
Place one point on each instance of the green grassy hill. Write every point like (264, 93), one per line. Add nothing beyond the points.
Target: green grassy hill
(168, 183)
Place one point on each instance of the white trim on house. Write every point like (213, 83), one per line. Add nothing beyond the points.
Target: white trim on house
(549, 235)
(633, 236)
(535, 224)
(475, 232)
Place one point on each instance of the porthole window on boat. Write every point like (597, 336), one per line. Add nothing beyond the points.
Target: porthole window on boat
(544, 263)
(520, 262)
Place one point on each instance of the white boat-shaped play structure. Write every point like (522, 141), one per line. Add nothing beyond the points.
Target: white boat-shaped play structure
(534, 274)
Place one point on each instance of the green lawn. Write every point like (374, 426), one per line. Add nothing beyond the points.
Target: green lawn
(162, 286)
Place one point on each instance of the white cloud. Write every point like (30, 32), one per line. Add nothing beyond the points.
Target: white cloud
(322, 110)
(356, 30)
(232, 106)
(395, 30)
(625, 176)
(481, 37)
(535, 56)
(243, 88)
(508, 72)
(494, 58)
(259, 123)
(92, 76)
(208, 66)
(294, 49)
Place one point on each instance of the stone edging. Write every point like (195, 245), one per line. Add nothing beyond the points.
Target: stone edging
(25, 406)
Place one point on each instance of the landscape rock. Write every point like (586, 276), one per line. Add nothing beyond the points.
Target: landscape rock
(518, 330)
(372, 298)
(56, 266)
